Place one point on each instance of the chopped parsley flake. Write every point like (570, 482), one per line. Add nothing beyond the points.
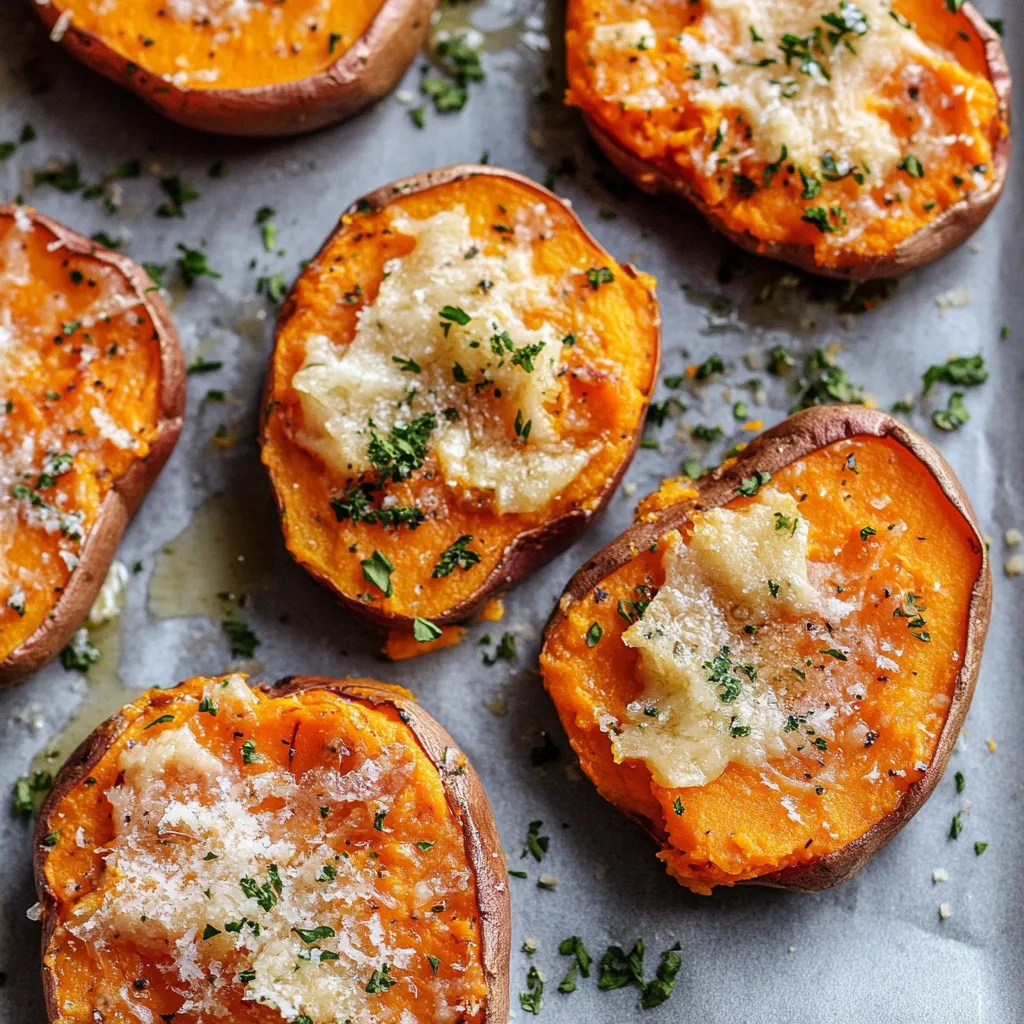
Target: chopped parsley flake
(963, 371)
(200, 365)
(833, 653)
(192, 265)
(377, 570)
(456, 556)
(536, 845)
(455, 315)
(242, 639)
(178, 193)
(823, 383)
(954, 416)
(310, 935)
(912, 166)
(505, 651)
(381, 980)
(750, 485)
(249, 753)
(403, 450)
(356, 505)
(530, 1000)
(424, 630)
(910, 609)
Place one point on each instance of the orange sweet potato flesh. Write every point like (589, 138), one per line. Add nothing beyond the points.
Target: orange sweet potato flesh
(276, 42)
(608, 380)
(963, 93)
(888, 751)
(306, 724)
(93, 386)
(246, 69)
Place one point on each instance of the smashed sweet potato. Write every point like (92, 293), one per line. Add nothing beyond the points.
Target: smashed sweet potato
(316, 851)
(91, 401)
(246, 69)
(850, 139)
(769, 670)
(459, 380)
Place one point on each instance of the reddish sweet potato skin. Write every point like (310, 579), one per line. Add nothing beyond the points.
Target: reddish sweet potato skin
(943, 234)
(530, 550)
(464, 791)
(793, 439)
(365, 73)
(124, 498)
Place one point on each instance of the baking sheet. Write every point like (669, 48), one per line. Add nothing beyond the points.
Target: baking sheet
(874, 949)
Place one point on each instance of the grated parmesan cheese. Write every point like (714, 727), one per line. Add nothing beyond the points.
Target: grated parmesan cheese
(627, 35)
(809, 114)
(681, 726)
(189, 826)
(110, 599)
(343, 390)
(61, 25)
(108, 429)
(218, 13)
(743, 68)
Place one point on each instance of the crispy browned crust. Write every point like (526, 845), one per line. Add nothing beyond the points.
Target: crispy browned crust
(125, 496)
(365, 73)
(794, 439)
(463, 789)
(529, 550)
(944, 233)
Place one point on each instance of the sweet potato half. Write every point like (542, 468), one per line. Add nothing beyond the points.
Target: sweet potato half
(92, 392)
(850, 139)
(246, 69)
(769, 669)
(459, 380)
(315, 852)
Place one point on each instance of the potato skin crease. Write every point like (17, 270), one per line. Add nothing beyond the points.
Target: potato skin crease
(124, 497)
(362, 75)
(463, 790)
(530, 549)
(928, 243)
(795, 438)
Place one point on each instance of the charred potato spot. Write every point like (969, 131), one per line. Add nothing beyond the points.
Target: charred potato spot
(835, 687)
(459, 380)
(819, 135)
(93, 394)
(317, 848)
(246, 69)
